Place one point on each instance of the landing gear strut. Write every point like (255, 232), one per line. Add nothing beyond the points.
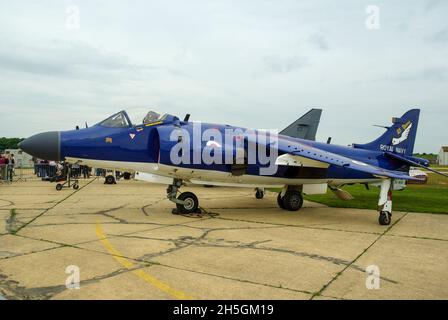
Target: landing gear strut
(186, 202)
(385, 202)
(290, 199)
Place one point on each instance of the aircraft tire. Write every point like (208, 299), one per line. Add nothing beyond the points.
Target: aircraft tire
(384, 218)
(280, 201)
(191, 203)
(59, 187)
(293, 200)
(259, 194)
(110, 180)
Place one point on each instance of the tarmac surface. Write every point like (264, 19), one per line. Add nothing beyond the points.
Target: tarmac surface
(127, 244)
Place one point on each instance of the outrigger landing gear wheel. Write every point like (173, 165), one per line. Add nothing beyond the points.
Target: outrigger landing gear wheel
(190, 205)
(385, 218)
(280, 201)
(292, 200)
(259, 194)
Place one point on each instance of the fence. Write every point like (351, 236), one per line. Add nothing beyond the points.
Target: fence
(4, 174)
(44, 171)
(10, 174)
(50, 171)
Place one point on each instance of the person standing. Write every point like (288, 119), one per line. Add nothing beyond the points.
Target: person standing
(75, 170)
(85, 171)
(2, 167)
(52, 169)
(12, 163)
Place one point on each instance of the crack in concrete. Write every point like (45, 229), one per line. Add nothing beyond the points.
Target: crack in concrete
(415, 237)
(311, 226)
(143, 209)
(11, 289)
(7, 254)
(16, 255)
(48, 209)
(9, 203)
(106, 213)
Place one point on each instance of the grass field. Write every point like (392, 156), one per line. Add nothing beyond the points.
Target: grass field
(431, 197)
(415, 198)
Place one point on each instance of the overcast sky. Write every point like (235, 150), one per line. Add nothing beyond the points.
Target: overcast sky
(258, 64)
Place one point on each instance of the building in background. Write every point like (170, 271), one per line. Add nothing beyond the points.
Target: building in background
(442, 158)
(23, 159)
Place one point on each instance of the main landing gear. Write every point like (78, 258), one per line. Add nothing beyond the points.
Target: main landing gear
(186, 202)
(385, 202)
(290, 199)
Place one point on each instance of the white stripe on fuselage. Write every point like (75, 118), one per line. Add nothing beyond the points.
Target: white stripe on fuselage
(212, 177)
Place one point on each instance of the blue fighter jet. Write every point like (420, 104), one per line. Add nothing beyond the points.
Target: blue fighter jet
(179, 151)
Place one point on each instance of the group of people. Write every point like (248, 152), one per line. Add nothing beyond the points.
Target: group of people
(7, 163)
(78, 170)
(46, 169)
(49, 169)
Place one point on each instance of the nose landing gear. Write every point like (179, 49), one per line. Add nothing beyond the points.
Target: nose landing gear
(190, 205)
(186, 202)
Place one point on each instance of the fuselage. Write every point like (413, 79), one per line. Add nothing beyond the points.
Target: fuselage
(147, 148)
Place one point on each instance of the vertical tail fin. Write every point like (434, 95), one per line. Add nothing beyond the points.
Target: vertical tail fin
(399, 138)
(305, 127)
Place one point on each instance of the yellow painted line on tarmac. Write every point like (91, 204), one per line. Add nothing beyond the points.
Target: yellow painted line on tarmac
(140, 273)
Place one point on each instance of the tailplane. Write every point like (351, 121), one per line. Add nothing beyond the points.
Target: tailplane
(399, 138)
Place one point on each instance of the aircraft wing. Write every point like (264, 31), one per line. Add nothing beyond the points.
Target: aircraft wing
(325, 157)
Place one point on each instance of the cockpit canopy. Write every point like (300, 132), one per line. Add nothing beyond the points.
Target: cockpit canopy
(118, 120)
(132, 117)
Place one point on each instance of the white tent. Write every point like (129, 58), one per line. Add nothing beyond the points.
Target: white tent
(22, 159)
(442, 158)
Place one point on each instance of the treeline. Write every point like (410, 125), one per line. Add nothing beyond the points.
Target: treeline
(9, 143)
(429, 156)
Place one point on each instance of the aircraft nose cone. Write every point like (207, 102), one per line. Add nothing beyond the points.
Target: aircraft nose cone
(44, 145)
